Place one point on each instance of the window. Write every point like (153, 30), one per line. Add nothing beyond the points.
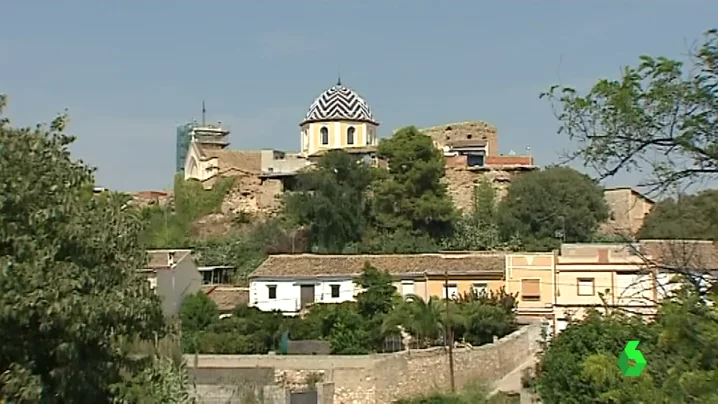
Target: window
(585, 287)
(530, 290)
(335, 291)
(206, 277)
(452, 291)
(480, 288)
(350, 135)
(324, 132)
(272, 290)
(407, 288)
(475, 160)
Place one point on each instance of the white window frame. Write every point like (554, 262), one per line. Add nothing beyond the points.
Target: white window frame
(453, 290)
(480, 287)
(269, 295)
(585, 286)
(331, 290)
(405, 285)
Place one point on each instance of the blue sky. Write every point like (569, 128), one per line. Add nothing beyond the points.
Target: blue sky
(129, 72)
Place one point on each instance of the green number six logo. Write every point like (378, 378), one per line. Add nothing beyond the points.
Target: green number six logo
(631, 353)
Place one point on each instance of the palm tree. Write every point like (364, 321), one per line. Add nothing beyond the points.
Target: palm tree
(424, 320)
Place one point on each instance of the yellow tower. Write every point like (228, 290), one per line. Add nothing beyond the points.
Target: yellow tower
(338, 119)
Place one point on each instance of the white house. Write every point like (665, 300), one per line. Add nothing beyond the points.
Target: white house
(291, 282)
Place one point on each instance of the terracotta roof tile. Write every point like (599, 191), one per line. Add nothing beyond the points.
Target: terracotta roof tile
(246, 160)
(227, 297)
(159, 259)
(307, 265)
(700, 255)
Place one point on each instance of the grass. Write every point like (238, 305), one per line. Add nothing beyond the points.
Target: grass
(473, 394)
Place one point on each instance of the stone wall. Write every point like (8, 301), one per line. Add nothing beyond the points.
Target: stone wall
(461, 180)
(382, 378)
(254, 195)
(470, 130)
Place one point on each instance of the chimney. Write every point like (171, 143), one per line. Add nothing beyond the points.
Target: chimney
(171, 258)
(603, 256)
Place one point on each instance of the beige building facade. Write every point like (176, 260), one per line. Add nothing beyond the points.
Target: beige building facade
(630, 277)
(627, 210)
(532, 277)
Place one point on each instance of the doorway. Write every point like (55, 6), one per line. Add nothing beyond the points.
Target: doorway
(306, 295)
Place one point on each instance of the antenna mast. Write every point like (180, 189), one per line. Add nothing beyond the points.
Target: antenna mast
(204, 114)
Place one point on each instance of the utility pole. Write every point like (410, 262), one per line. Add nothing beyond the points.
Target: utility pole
(448, 335)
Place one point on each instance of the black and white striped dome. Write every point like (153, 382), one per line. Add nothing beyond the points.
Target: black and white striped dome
(339, 103)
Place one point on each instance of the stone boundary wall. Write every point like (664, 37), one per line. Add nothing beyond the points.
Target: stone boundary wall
(382, 378)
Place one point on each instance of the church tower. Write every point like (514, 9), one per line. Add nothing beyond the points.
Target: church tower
(338, 119)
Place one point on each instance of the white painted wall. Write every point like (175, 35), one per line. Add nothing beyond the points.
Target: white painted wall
(289, 292)
(287, 299)
(634, 288)
(666, 284)
(561, 325)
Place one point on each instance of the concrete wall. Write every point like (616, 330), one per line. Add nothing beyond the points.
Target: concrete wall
(173, 285)
(382, 378)
(627, 209)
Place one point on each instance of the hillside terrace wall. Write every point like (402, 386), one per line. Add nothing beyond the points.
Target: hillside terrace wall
(383, 378)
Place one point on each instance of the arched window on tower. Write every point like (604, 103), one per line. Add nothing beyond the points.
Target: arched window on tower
(324, 132)
(350, 135)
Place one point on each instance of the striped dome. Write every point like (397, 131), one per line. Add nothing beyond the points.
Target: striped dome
(339, 103)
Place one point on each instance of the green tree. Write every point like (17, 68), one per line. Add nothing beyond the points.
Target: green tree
(680, 346)
(423, 319)
(479, 230)
(683, 218)
(411, 196)
(198, 312)
(379, 295)
(161, 382)
(69, 289)
(170, 226)
(375, 302)
(561, 371)
(332, 201)
(247, 249)
(544, 205)
(397, 242)
(660, 117)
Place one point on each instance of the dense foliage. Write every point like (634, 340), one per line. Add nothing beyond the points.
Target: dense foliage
(551, 205)
(685, 217)
(360, 327)
(69, 291)
(579, 365)
(662, 117)
(171, 226)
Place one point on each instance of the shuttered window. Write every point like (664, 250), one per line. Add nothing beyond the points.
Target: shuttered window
(530, 289)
